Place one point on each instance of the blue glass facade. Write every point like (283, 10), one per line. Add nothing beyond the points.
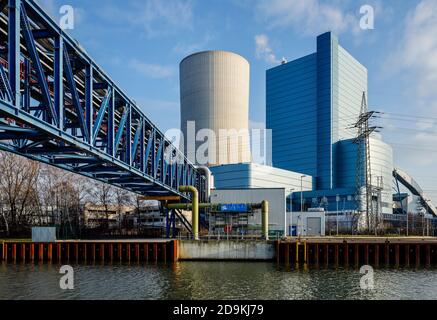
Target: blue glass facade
(311, 104)
(327, 48)
(292, 114)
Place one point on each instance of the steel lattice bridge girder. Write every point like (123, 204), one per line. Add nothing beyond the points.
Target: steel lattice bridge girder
(59, 107)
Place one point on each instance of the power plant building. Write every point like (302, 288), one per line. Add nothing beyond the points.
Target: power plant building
(312, 103)
(215, 95)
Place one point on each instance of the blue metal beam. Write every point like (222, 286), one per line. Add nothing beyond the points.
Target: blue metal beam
(42, 34)
(75, 160)
(19, 136)
(150, 143)
(33, 52)
(59, 80)
(17, 129)
(27, 85)
(47, 151)
(125, 179)
(14, 49)
(75, 96)
(138, 136)
(158, 158)
(128, 137)
(100, 168)
(7, 95)
(110, 136)
(142, 145)
(89, 87)
(101, 114)
(34, 144)
(100, 86)
(48, 130)
(120, 129)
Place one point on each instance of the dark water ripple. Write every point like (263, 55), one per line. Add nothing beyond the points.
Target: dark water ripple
(212, 280)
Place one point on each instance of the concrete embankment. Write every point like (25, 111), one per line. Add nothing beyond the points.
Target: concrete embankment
(226, 250)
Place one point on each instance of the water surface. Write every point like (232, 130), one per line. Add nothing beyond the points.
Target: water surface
(212, 280)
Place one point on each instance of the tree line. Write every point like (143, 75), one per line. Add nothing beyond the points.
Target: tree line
(37, 194)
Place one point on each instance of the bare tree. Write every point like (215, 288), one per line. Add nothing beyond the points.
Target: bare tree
(18, 178)
(137, 199)
(104, 195)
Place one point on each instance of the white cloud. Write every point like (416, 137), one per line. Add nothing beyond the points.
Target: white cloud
(152, 17)
(310, 17)
(155, 71)
(417, 53)
(263, 49)
(185, 48)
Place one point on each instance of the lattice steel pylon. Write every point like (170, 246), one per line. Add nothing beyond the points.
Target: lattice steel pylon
(363, 174)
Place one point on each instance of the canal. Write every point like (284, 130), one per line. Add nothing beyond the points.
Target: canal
(212, 280)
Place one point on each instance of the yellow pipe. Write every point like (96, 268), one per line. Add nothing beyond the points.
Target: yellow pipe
(195, 205)
(195, 208)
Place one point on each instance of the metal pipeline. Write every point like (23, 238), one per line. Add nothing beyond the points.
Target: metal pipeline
(209, 180)
(195, 205)
(264, 206)
(194, 208)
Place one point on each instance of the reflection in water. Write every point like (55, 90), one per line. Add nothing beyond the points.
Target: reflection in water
(212, 280)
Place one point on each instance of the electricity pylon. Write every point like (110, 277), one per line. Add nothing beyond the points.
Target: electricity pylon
(363, 175)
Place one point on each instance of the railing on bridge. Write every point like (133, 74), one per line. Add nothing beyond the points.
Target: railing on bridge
(59, 107)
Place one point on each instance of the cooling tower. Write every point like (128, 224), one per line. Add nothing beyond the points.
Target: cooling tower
(215, 95)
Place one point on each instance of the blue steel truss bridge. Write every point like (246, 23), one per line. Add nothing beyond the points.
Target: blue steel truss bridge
(59, 107)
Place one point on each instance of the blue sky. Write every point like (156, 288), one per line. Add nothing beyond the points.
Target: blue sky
(141, 42)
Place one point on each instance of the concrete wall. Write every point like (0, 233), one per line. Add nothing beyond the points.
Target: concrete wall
(226, 250)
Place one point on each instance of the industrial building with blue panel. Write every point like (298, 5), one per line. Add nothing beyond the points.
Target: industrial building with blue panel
(319, 161)
(312, 103)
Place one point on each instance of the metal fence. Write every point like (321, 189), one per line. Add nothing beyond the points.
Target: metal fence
(396, 224)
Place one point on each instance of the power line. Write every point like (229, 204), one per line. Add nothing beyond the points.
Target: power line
(409, 116)
(420, 120)
(411, 146)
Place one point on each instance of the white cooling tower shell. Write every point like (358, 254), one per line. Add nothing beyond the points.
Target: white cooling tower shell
(215, 94)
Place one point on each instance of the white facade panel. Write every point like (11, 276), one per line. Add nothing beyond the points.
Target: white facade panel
(382, 166)
(352, 82)
(249, 175)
